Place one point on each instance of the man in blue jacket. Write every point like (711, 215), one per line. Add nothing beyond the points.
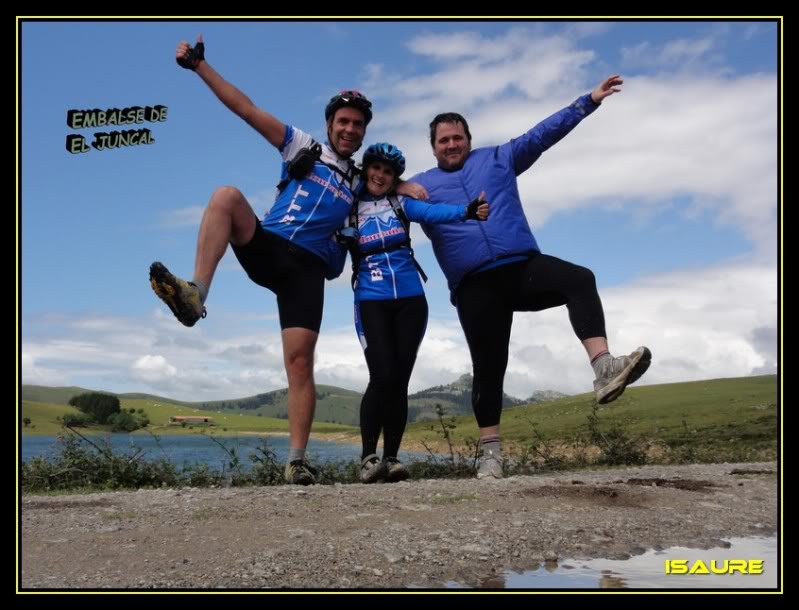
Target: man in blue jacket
(496, 268)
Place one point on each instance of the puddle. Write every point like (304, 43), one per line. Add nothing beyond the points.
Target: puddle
(646, 571)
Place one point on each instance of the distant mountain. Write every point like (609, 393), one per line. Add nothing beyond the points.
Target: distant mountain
(455, 398)
(333, 404)
(544, 395)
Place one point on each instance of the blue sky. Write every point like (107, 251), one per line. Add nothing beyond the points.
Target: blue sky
(668, 192)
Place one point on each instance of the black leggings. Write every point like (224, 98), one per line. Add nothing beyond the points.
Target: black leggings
(393, 331)
(486, 302)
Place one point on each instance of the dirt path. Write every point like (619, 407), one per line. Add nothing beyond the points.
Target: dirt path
(413, 533)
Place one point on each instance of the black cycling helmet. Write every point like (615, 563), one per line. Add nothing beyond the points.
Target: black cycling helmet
(353, 99)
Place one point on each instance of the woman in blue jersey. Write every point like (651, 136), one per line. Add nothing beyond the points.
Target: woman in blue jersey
(390, 306)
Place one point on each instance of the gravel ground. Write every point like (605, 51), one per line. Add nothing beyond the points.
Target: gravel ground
(419, 533)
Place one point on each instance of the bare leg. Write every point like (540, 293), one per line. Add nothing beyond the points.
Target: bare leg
(595, 345)
(298, 354)
(228, 218)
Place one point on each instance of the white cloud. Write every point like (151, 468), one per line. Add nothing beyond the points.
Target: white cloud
(715, 322)
(478, 70)
(35, 374)
(677, 53)
(152, 369)
(703, 324)
(707, 138)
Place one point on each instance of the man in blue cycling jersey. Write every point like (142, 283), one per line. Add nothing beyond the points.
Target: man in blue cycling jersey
(288, 251)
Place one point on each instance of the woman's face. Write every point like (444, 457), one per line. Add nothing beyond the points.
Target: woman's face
(379, 178)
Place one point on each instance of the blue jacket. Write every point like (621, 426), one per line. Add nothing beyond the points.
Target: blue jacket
(466, 248)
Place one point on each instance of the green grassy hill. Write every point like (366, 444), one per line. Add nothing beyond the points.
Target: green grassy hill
(718, 414)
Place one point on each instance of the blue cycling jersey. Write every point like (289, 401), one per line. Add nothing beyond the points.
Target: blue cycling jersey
(308, 211)
(392, 274)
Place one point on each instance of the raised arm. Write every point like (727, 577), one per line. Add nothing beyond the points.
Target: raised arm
(193, 58)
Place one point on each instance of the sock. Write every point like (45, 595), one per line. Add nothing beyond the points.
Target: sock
(490, 445)
(295, 454)
(203, 290)
(600, 362)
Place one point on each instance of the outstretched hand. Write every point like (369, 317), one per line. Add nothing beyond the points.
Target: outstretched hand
(190, 57)
(606, 88)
